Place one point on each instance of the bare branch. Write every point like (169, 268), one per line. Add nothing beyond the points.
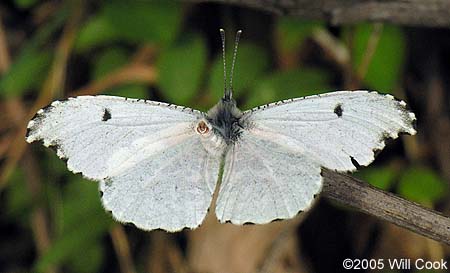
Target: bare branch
(387, 206)
(430, 13)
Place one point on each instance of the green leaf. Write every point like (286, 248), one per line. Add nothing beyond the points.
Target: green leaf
(181, 68)
(380, 177)
(251, 63)
(25, 4)
(84, 223)
(140, 21)
(131, 21)
(27, 72)
(388, 59)
(69, 245)
(89, 259)
(293, 31)
(422, 185)
(96, 32)
(81, 202)
(289, 84)
(18, 198)
(132, 90)
(108, 61)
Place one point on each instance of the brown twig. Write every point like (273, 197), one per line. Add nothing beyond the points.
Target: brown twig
(431, 13)
(333, 48)
(4, 53)
(122, 249)
(39, 217)
(387, 206)
(130, 73)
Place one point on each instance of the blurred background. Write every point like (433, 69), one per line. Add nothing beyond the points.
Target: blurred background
(52, 220)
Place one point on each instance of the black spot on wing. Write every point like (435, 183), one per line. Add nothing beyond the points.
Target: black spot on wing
(355, 163)
(108, 181)
(47, 108)
(28, 132)
(301, 211)
(276, 220)
(249, 224)
(130, 224)
(414, 124)
(338, 110)
(106, 115)
(386, 138)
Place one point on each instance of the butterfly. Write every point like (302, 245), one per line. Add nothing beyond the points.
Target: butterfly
(158, 164)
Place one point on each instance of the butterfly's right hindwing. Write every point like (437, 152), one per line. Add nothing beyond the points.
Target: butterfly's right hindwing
(263, 181)
(152, 167)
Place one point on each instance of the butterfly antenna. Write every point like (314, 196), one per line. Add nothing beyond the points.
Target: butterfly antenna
(227, 95)
(236, 43)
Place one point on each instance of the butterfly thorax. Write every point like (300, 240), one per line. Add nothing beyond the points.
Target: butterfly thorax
(225, 119)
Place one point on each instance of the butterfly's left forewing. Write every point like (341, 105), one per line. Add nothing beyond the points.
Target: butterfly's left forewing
(151, 164)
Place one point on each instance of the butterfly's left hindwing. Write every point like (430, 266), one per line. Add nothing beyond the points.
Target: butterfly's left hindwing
(153, 169)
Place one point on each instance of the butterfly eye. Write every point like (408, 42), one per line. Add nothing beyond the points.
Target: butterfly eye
(202, 128)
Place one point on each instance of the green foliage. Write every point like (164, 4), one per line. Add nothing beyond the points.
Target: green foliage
(131, 21)
(289, 84)
(111, 33)
(422, 185)
(83, 223)
(251, 63)
(140, 21)
(27, 72)
(181, 68)
(18, 201)
(97, 31)
(24, 4)
(385, 68)
(293, 31)
(109, 60)
(380, 177)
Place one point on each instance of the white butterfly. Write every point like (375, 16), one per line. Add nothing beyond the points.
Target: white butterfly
(158, 164)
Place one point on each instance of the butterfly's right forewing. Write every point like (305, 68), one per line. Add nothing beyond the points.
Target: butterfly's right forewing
(152, 167)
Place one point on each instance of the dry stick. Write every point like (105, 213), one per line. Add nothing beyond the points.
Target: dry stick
(130, 73)
(4, 53)
(387, 206)
(431, 13)
(370, 50)
(122, 249)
